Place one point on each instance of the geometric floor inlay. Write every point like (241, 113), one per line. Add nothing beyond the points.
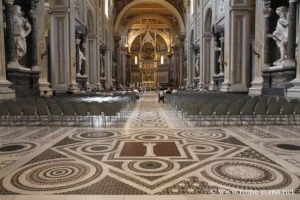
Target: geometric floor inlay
(148, 156)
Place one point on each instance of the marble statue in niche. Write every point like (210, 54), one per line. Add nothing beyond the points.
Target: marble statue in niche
(280, 35)
(21, 30)
(197, 72)
(81, 59)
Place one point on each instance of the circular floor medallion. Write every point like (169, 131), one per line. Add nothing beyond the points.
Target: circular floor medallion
(14, 148)
(214, 134)
(53, 176)
(289, 147)
(96, 135)
(94, 149)
(152, 167)
(248, 175)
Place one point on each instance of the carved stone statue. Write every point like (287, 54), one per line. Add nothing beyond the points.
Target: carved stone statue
(81, 58)
(21, 30)
(197, 66)
(280, 35)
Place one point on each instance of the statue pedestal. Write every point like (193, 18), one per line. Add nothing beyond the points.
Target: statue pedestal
(82, 82)
(103, 83)
(24, 81)
(218, 81)
(196, 83)
(277, 79)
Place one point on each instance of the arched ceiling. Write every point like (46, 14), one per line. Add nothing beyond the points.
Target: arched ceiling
(161, 14)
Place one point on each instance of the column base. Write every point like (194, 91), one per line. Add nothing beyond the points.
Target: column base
(294, 92)
(45, 90)
(257, 87)
(103, 83)
(24, 81)
(212, 85)
(74, 88)
(5, 91)
(201, 86)
(225, 87)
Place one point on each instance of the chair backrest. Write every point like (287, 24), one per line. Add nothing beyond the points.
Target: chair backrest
(14, 109)
(55, 109)
(282, 100)
(261, 108)
(207, 109)
(248, 108)
(3, 110)
(235, 108)
(274, 108)
(193, 110)
(297, 109)
(221, 109)
(28, 109)
(68, 109)
(41, 109)
(96, 109)
(288, 108)
(81, 109)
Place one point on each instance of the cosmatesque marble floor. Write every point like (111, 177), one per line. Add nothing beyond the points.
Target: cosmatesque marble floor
(156, 155)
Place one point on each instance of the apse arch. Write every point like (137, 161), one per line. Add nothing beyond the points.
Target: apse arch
(164, 3)
(162, 34)
(152, 16)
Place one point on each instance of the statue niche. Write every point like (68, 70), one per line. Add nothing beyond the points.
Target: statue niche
(280, 35)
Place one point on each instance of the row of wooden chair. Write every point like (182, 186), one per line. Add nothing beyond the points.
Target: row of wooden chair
(236, 109)
(63, 111)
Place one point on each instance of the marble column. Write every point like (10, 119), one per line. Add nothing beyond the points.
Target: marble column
(10, 43)
(117, 39)
(34, 35)
(63, 46)
(294, 92)
(181, 60)
(5, 91)
(237, 47)
(292, 30)
(123, 64)
(43, 63)
(267, 14)
(170, 55)
(258, 50)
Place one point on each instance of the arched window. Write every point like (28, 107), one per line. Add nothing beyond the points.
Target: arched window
(162, 61)
(136, 61)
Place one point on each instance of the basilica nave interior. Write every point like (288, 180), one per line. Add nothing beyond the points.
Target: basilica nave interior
(158, 99)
